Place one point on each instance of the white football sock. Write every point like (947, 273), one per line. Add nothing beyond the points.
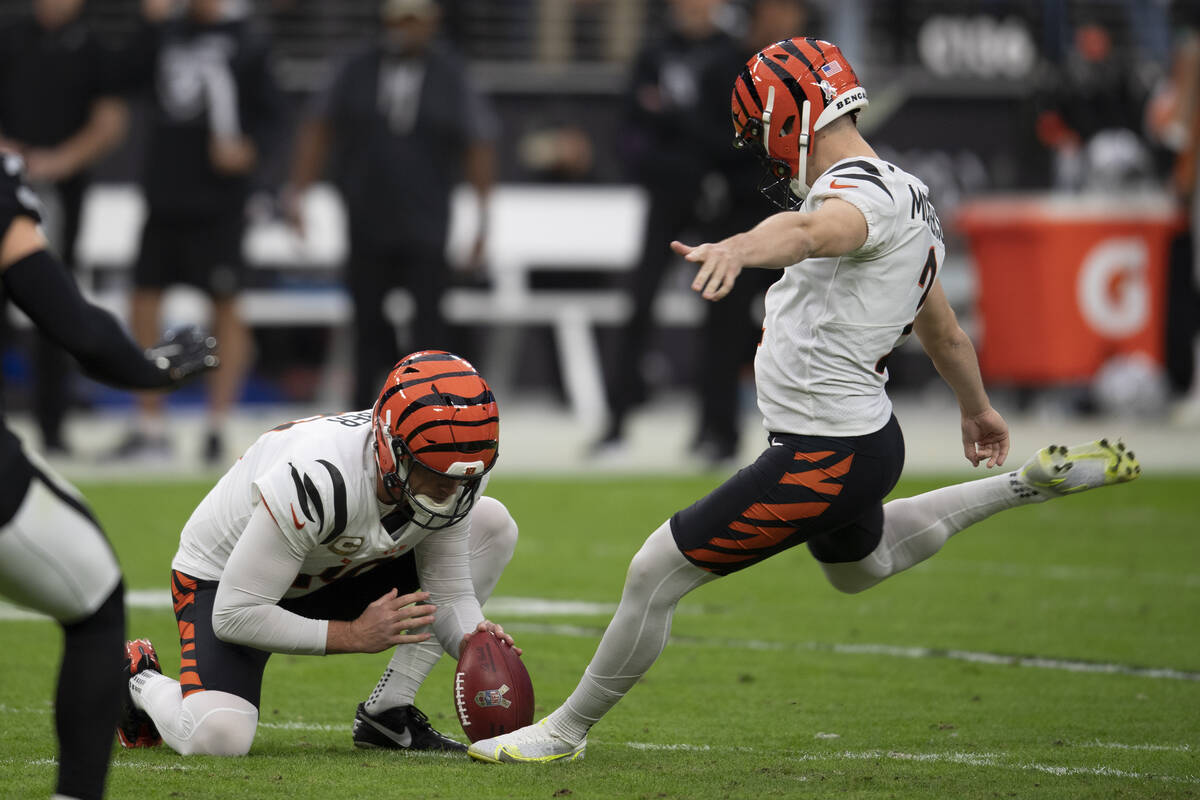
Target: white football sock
(493, 539)
(914, 528)
(658, 577)
(204, 723)
(409, 667)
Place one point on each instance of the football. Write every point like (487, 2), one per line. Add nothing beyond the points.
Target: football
(492, 690)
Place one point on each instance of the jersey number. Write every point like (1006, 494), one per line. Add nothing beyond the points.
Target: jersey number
(928, 275)
(338, 571)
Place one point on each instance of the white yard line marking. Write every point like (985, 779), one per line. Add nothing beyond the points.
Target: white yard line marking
(517, 607)
(1183, 748)
(995, 659)
(1000, 760)
(1063, 572)
(540, 607)
(304, 726)
(119, 762)
(160, 599)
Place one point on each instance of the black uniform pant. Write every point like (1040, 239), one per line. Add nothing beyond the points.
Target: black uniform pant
(373, 271)
(728, 342)
(827, 491)
(671, 209)
(731, 333)
(728, 337)
(1183, 314)
(208, 663)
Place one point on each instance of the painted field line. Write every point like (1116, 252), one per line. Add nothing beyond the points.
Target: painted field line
(895, 651)
(1182, 748)
(997, 760)
(304, 726)
(516, 607)
(1000, 760)
(117, 762)
(337, 728)
(1063, 572)
(160, 600)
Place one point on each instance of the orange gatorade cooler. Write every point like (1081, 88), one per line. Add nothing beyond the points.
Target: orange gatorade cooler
(1066, 282)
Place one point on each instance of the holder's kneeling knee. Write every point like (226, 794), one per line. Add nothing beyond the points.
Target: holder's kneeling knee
(224, 724)
(494, 526)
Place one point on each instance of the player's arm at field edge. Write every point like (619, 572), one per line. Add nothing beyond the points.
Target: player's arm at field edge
(42, 288)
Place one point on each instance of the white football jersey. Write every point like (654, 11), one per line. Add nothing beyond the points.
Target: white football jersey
(317, 478)
(831, 322)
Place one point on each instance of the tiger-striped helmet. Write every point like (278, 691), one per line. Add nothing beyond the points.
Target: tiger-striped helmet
(783, 96)
(437, 411)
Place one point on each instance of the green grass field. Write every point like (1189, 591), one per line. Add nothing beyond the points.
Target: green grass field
(1050, 652)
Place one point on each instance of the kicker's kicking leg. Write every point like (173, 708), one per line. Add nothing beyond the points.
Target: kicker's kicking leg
(914, 528)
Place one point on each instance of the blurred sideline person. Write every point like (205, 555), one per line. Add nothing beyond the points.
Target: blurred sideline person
(403, 123)
(675, 145)
(54, 557)
(730, 333)
(60, 111)
(1091, 117)
(316, 542)
(859, 246)
(1173, 118)
(214, 110)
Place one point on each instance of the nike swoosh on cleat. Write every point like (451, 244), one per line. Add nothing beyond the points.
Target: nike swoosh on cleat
(402, 739)
(516, 757)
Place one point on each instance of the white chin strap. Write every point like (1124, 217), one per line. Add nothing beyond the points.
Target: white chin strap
(799, 184)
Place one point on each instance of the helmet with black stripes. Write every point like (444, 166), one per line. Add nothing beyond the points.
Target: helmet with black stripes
(783, 96)
(435, 411)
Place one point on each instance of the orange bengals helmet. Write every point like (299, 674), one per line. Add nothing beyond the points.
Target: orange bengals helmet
(437, 411)
(783, 96)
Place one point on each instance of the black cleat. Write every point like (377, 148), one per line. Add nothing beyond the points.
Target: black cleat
(135, 728)
(401, 728)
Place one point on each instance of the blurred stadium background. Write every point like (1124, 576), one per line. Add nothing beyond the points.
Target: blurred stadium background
(1073, 273)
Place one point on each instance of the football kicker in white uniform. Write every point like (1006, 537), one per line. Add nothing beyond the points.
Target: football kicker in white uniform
(860, 245)
(316, 541)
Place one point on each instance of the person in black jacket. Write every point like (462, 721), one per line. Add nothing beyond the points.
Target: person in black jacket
(403, 124)
(54, 557)
(731, 329)
(675, 143)
(60, 111)
(214, 110)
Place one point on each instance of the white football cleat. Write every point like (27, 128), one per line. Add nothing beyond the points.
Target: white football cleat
(1059, 470)
(533, 744)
